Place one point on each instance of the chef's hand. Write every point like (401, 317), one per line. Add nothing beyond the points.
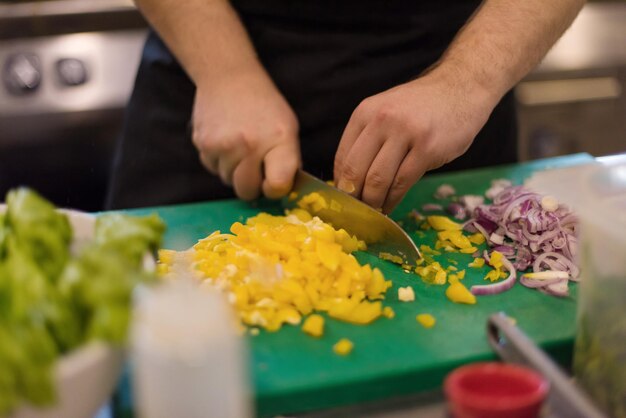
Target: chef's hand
(247, 134)
(394, 137)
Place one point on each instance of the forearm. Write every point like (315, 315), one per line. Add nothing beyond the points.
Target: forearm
(505, 40)
(206, 36)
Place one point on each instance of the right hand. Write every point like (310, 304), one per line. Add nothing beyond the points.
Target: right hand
(247, 134)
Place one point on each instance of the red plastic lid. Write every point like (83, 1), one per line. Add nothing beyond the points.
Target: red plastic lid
(495, 390)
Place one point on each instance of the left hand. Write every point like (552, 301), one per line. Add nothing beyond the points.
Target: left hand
(394, 137)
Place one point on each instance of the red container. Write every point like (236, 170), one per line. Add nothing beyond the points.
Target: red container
(495, 390)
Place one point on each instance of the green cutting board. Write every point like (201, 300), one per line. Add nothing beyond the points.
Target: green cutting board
(392, 357)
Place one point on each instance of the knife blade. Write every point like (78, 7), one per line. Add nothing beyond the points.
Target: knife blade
(380, 233)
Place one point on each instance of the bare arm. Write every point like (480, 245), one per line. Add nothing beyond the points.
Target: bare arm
(206, 36)
(394, 137)
(506, 39)
(243, 128)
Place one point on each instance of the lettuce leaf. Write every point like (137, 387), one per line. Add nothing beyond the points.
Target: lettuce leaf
(52, 302)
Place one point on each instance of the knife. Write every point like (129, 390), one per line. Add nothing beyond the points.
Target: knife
(380, 233)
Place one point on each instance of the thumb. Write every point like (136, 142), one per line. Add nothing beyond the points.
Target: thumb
(281, 164)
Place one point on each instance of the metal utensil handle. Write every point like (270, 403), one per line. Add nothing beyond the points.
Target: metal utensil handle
(512, 345)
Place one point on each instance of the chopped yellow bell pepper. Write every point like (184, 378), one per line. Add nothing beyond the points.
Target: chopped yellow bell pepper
(343, 347)
(388, 312)
(391, 257)
(458, 293)
(477, 263)
(425, 249)
(443, 223)
(313, 202)
(314, 325)
(477, 238)
(277, 269)
(495, 260)
(427, 320)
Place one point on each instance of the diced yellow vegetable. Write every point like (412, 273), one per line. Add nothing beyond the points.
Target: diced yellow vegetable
(461, 274)
(477, 263)
(313, 202)
(458, 293)
(477, 238)
(343, 347)
(166, 256)
(314, 325)
(427, 320)
(391, 257)
(278, 269)
(440, 277)
(493, 275)
(456, 237)
(425, 249)
(162, 269)
(495, 260)
(388, 312)
(432, 273)
(443, 223)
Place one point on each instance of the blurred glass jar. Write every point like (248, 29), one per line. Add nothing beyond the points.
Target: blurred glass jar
(188, 359)
(597, 193)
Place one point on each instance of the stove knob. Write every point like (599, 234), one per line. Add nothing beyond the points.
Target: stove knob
(22, 73)
(71, 72)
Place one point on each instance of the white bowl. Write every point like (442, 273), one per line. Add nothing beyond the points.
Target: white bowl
(84, 378)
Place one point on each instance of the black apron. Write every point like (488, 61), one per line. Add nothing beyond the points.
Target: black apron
(325, 56)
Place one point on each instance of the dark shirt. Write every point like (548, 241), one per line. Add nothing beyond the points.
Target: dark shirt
(325, 57)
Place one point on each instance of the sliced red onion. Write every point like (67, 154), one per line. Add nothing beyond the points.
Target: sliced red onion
(497, 186)
(483, 212)
(414, 214)
(544, 279)
(541, 232)
(471, 202)
(535, 284)
(493, 289)
(496, 239)
(559, 289)
(547, 275)
(549, 235)
(444, 191)
(457, 211)
(506, 250)
(430, 207)
(560, 258)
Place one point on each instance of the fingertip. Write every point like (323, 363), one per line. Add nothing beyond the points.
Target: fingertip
(281, 164)
(276, 190)
(346, 186)
(247, 179)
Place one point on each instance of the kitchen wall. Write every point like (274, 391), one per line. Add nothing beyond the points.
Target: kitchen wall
(575, 101)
